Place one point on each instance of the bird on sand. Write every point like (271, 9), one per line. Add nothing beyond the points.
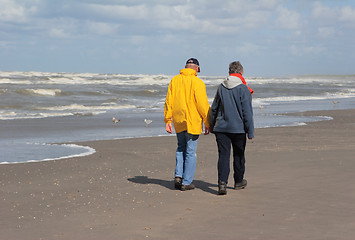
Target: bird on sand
(147, 121)
(115, 120)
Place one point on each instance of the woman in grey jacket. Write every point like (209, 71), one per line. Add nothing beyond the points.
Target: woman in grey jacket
(231, 121)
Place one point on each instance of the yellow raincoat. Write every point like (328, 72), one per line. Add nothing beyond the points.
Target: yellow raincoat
(186, 103)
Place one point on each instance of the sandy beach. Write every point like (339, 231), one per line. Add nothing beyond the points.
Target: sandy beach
(300, 186)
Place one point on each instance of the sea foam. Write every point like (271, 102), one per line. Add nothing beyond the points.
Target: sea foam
(41, 92)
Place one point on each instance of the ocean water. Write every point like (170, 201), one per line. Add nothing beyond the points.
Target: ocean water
(41, 113)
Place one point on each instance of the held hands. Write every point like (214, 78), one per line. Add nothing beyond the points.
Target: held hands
(207, 131)
(169, 129)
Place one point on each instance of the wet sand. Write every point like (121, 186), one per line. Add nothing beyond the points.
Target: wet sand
(300, 186)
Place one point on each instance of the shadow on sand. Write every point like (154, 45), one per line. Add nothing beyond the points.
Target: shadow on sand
(204, 186)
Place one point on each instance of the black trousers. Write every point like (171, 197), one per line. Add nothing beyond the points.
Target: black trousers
(224, 143)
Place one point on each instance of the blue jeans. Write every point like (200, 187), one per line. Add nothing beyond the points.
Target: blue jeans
(186, 157)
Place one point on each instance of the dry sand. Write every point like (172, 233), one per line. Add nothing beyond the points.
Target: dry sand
(301, 185)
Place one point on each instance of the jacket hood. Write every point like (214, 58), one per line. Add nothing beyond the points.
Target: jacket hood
(231, 82)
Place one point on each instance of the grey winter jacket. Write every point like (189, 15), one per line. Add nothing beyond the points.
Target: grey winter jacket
(232, 111)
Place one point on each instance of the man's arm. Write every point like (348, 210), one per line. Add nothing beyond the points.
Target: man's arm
(214, 110)
(168, 106)
(203, 107)
(248, 112)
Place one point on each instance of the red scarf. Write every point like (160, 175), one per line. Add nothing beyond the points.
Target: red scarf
(243, 81)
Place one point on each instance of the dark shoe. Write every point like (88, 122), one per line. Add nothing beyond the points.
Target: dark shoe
(187, 187)
(240, 185)
(178, 182)
(222, 188)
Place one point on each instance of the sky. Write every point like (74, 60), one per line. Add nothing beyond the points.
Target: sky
(269, 37)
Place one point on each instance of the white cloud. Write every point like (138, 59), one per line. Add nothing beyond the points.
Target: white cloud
(174, 18)
(196, 16)
(248, 48)
(57, 33)
(302, 50)
(61, 28)
(120, 11)
(138, 39)
(270, 4)
(255, 19)
(326, 31)
(102, 28)
(321, 11)
(334, 14)
(287, 19)
(243, 6)
(11, 11)
(4, 44)
(347, 14)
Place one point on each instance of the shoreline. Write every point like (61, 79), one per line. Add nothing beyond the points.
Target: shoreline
(299, 187)
(75, 144)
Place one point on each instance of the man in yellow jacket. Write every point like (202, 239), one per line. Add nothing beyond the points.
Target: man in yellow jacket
(187, 107)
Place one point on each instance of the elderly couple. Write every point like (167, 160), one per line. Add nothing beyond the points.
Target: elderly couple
(230, 118)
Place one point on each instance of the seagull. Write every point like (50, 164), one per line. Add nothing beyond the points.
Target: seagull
(148, 121)
(261, 107)
(115, 120)
(335, 102)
